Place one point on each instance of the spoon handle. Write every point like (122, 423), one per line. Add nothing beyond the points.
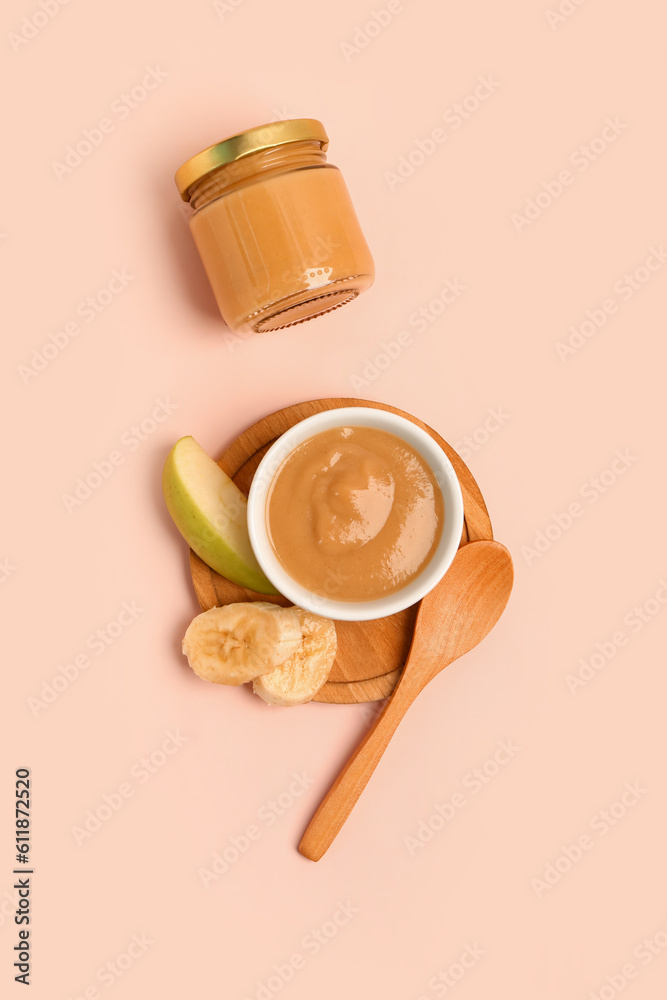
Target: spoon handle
(339, 801)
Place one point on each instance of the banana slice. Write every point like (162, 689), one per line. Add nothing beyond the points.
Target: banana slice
(298, 679)
(238, 642)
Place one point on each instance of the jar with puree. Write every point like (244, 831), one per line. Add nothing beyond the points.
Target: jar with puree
(354, 513)
(275, 226)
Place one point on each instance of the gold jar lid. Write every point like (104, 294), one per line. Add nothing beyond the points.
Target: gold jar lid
(253, 140)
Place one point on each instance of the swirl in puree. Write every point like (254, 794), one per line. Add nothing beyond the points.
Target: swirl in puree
(354, 513)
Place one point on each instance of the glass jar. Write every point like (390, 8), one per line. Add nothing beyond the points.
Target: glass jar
(275, 226)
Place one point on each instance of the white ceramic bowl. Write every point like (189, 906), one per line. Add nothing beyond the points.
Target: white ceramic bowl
(430, 451)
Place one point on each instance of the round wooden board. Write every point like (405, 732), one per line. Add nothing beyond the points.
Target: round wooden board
(370, 654)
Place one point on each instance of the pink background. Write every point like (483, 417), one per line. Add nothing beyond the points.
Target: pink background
(408, 913)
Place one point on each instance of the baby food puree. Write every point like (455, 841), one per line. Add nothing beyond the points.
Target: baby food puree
(354, 513)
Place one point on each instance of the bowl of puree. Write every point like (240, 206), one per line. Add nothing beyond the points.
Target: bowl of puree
(355, 513)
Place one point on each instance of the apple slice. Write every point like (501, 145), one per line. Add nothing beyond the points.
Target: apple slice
(210, 512)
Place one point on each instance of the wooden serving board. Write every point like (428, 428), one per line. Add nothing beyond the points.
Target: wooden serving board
(370, 654)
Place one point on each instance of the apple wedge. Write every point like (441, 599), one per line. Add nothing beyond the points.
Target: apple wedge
(209, 510)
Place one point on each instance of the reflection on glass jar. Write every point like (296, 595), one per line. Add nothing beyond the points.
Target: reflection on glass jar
(275, 227)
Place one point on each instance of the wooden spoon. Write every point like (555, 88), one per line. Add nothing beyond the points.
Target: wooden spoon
(457, 614)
